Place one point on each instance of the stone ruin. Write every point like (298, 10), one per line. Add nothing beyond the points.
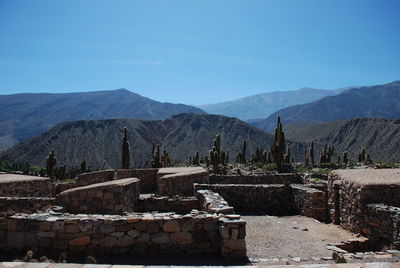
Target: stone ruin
(187, 211)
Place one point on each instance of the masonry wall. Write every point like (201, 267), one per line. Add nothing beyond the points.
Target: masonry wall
(26, 186)
(95, 177)
(383, 225)
(284, 178)
(148, 178)
(11, 205)
(133, 234)
(181, 183)
(349, 200)
(181, 205)
(111, 197)
(310, 202)
(272, 199)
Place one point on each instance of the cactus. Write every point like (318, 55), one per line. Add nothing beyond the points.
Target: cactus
(311, 152)
(345, 158)
(51, 163)
(326, 155)
(278, 147)
(306, 158)
(156, 162)
(83, 166)
(125, 150)
(217, 155)
(363, 156)
(244, 147)
(165, 159)
(287, 157)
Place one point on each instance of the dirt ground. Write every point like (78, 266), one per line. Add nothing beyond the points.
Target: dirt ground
(290, 237)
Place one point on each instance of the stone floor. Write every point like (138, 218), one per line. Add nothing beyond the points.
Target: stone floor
(367, 176)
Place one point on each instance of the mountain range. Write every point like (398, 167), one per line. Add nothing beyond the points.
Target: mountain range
(262, 105)
(380, 137)
(98, 142)
(381, 101)
(25, 115)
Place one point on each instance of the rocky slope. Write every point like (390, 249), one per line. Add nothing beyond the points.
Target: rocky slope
(25, 115)
(380, 137)
(98, 142)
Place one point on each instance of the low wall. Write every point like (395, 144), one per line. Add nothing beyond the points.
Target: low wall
(167, 204)
(179, 181)
(148, 178)
(284, 178)
(382, 225)
(95, 177)
(133, 234)
(11, 205)
(213, 202)
(271, 199)
(25, 186)
(111, 197)
(310, 202)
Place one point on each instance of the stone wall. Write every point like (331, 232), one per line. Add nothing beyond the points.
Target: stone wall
(11, 205)
(348, 201)
(111, 197)
(181, 205)
(95, 177)
(383, 225)
(271, 199)
(310, 202)
(148, 178)
(213, 202)
(283, 178)
(132, 234)
(179, 181)
(25, 186)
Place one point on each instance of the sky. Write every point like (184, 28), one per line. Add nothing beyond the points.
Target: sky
(197, 52)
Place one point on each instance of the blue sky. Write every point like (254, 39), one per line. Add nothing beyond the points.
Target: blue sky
(197, 52)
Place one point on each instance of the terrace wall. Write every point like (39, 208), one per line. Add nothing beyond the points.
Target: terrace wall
(25, 186)
(133, 234)
(111, 197)
(148, 178)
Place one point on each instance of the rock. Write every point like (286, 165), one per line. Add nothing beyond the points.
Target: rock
(80, 241)
(133, 233)
(144, 237)
(108, 241)
(85, 226)
(182, 238)
(171, 226)
(160, 238)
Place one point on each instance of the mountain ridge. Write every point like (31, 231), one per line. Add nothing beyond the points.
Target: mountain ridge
(24, 115)
(374, 101)
(98, 142)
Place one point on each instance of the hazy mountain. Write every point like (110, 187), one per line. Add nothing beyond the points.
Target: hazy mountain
(380, 137)
(99, 141)
(381, 101)
(25, 115)
(262, 105)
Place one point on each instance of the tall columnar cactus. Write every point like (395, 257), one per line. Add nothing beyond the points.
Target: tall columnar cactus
(327, 154)
(287, 157)
(155, 152)
(125, 150)
(278, 147)
(363, 156)
(165, 159)
(311, 152)
(217, 155)
(306, 157)
(345, 158)
(50, 164)
(244, 147)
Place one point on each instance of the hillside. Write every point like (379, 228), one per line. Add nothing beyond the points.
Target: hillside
(380, 137)
(25, 115)
(381, 101)
(99, 141)
(262, 105)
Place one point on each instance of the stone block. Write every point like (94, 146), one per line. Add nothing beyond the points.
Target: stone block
(171, 226)
(80, 241)
(160, 238)
(182, 238)
(15, 240)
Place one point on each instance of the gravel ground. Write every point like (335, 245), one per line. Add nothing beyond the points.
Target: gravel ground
(289, 237)
(370, 176)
